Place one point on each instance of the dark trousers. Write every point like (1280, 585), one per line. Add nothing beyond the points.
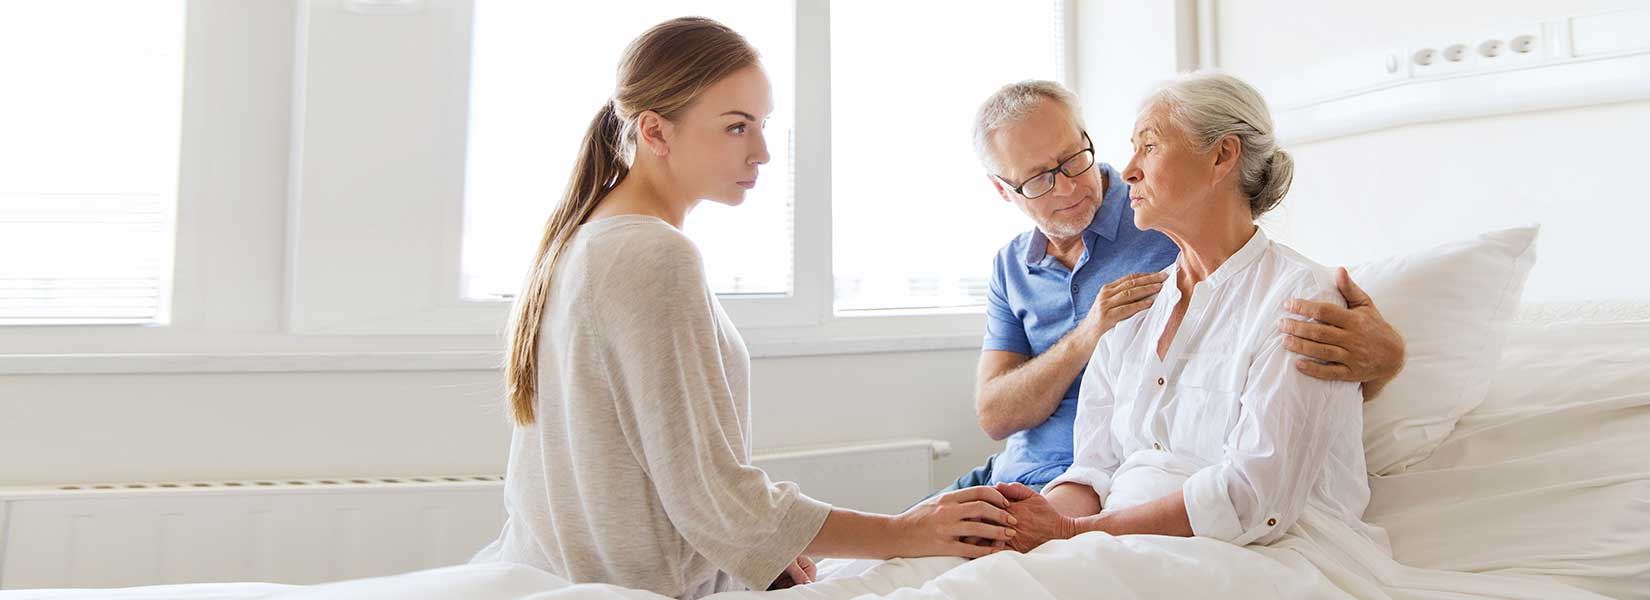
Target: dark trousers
(980, 475)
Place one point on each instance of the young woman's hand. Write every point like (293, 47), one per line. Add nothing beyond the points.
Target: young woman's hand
(800, 572)
(938, 526)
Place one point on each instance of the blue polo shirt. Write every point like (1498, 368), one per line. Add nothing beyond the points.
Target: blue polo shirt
(1034, 301)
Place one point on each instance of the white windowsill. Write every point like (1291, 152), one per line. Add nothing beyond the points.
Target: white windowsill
(864, 333)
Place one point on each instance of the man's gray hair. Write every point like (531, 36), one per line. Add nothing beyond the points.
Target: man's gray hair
(1012, 103)
(1208, 106)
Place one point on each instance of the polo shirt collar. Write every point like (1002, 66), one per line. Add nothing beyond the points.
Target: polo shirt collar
(1105, 222)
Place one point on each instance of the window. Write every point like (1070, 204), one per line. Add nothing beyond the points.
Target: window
(914, 220)
(91, 116)
(531, 101)
(872, 167)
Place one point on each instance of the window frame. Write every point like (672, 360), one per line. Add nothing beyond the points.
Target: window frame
(344, 304)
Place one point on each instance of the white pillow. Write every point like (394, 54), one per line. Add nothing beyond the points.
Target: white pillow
(1452, 305)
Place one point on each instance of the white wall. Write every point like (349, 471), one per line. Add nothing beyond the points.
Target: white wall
(231, 269)
(1355, 198)
(1575, 171)
(1123, 47)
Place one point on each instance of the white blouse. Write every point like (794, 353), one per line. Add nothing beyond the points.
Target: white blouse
(1225, 418)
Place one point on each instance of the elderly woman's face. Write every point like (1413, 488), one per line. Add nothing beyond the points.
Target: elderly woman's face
(1170, 182)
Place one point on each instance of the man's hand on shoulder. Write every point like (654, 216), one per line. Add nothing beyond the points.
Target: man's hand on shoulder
(1353, 344)
(1122, 299)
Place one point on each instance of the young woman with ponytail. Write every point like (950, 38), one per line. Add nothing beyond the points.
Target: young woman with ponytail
(628, 384)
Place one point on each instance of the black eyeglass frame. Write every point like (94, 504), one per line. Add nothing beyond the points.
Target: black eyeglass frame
(1060, 168)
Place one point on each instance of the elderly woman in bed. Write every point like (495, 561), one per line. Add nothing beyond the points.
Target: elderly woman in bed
(1192, 419)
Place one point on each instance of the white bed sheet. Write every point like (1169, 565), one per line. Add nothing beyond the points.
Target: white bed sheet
(188, 591)
(479, 582)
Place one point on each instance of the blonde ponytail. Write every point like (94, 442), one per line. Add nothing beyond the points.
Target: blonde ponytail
(599, 168)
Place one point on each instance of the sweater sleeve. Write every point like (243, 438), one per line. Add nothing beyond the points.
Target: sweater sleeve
(680, 417)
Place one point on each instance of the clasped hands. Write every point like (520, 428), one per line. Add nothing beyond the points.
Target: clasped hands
(970, 523)
(1035, 520)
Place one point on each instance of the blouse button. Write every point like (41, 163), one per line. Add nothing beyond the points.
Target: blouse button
(1271, 522)
(1160, 381)
(1157, 446)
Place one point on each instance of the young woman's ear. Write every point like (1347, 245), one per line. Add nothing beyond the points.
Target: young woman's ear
(653, 133)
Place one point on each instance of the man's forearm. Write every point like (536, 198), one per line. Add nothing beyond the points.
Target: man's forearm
(1025, 396)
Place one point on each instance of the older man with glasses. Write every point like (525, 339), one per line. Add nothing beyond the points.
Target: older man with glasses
(1055, 290)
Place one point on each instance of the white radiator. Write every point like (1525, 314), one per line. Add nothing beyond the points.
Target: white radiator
(319, 530)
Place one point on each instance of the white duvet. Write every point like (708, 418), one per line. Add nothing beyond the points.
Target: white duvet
(1156, 567)
(1090, 566)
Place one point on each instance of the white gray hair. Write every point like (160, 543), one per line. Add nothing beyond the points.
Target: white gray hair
(1209, 106)
(1014, 102)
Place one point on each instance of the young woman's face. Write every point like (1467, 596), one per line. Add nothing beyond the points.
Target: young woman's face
(717, 147)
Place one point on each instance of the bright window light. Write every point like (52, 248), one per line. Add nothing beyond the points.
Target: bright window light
(89, 129)
(540, 71)
(914, 219)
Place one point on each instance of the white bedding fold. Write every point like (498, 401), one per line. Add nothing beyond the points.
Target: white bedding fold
(1547, 478)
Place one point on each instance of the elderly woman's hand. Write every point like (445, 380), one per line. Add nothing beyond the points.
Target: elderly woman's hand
(1355, 343)
(1038, 520)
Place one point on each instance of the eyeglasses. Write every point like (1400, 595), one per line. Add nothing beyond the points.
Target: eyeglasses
(1043, 183)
